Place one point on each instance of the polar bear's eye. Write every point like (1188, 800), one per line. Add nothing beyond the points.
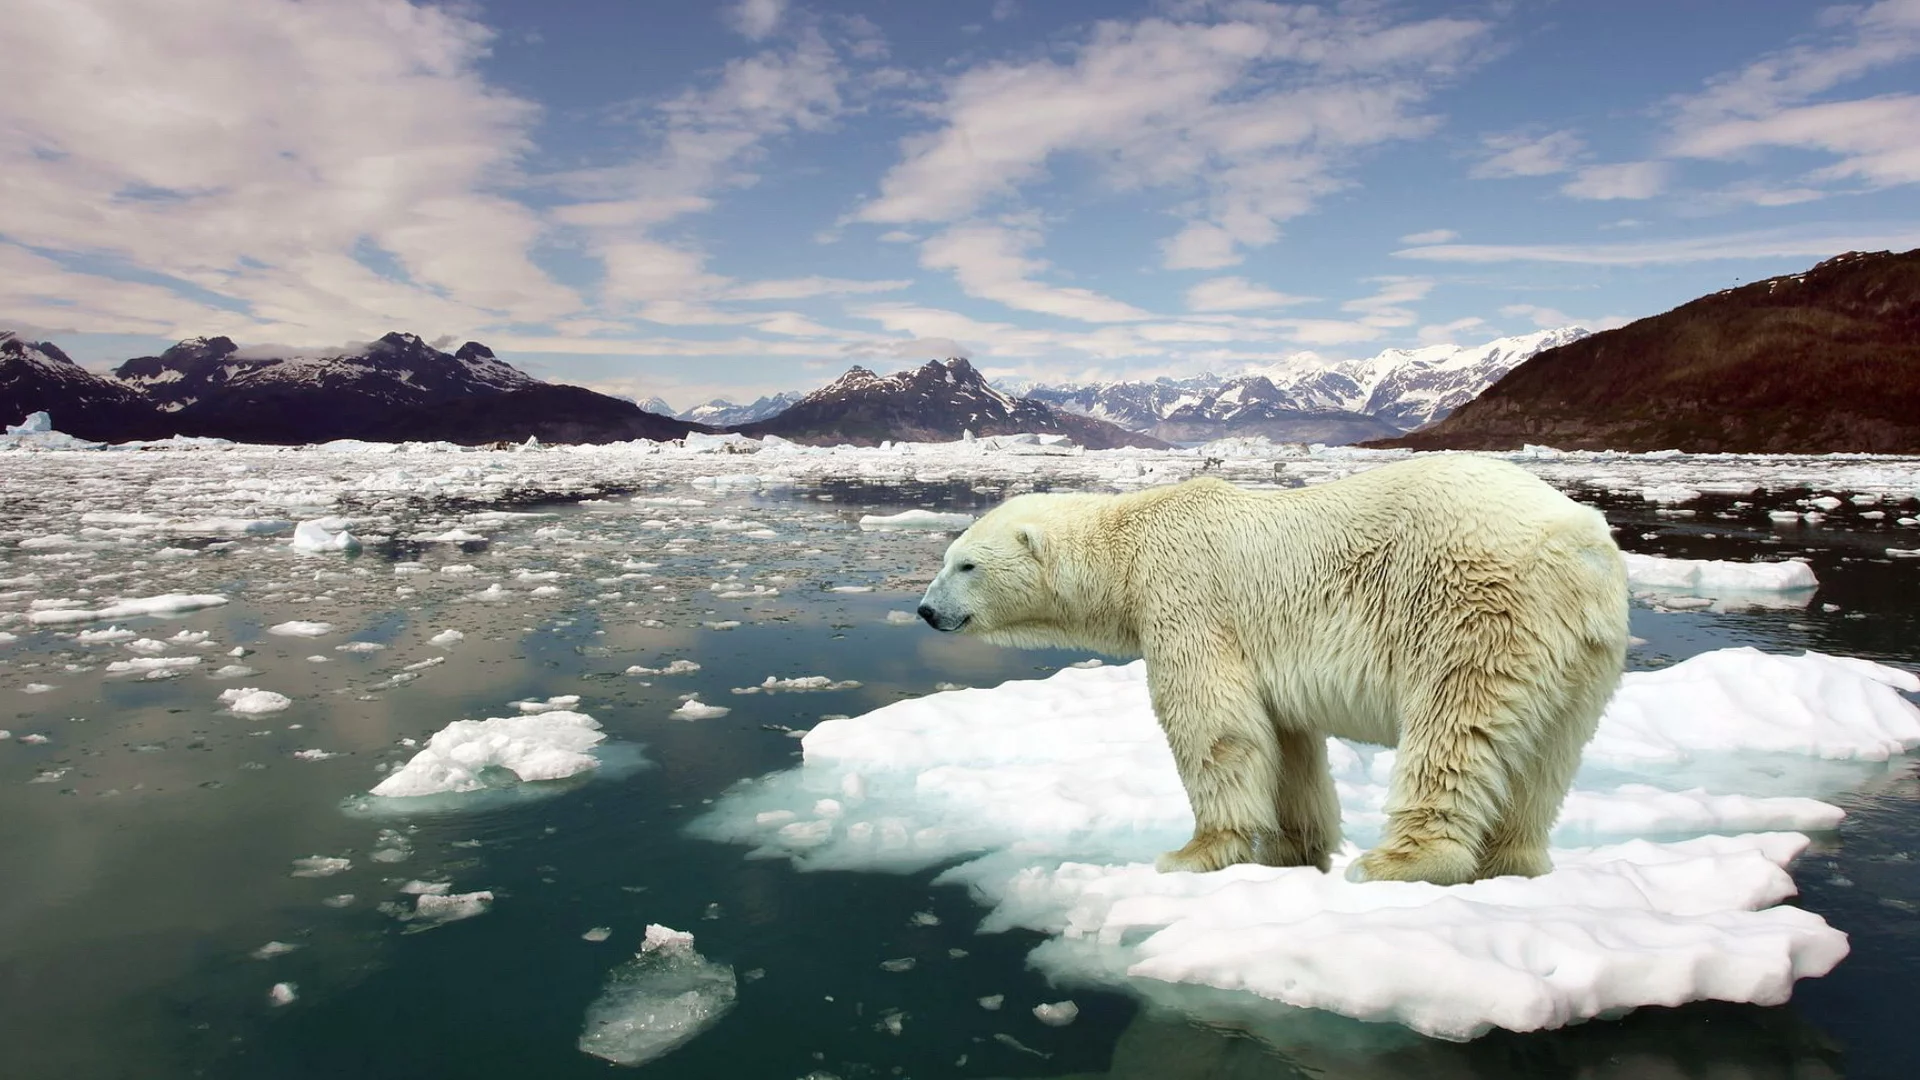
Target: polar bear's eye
(966, 568)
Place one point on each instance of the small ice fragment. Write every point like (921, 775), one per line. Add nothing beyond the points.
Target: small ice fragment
(904, 963)
(598, 933)
(433, 909)
(248, 701)
(322, 535)
(319, 866)
(676, 667)
(283, 993)
(37, 688)
(1057, 1014)
(695, 709)
(662, 998)
(313, 755)
(992, 1002)
(902, 618)
(924, 918)
(301, 628)
(447, 638)
(272, 949)
(917, 519)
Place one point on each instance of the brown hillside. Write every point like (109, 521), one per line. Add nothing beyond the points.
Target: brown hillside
(1820, 362)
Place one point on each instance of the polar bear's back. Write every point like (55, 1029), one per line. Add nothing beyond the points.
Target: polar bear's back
(1338, 589)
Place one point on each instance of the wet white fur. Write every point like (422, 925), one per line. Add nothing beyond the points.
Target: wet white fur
(1453, 606)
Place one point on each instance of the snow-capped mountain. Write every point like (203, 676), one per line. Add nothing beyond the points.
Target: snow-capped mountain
(37, 376)
(657, 405)
(723, 413)
(1308, 399)
(397, 369)
(939, 401)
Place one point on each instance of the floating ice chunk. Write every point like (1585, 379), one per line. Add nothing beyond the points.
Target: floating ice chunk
(676, 667)
(456, 536)
(1057, 1014)
(436, 909)
(168, 604)
(917, 519)
(552, 704)
(154, 667)
(272, 949)
(360, 647)
(232, 671)
(544, 746)
(597, 934)
(301, 628)
(247, 701)
(1714, 575)
(314, 755)
(320, 866)
(38, 688)
(658, 1001)
(902, 618)
(146, 646)
(283, 993)
(36, 423)
(695, 709)
(1816, 705)
(108, 636)
(1068, 786)
(771, 685)
(447, 638)
(324, 535)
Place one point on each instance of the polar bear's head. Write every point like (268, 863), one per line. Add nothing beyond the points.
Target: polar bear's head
(994, 578)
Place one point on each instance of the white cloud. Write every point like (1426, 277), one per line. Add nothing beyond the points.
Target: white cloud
(1432, 236)
(755, 19)
(1769, 103)
(1236, 294)
(1760, 244)
(254, 148)
(1516, 154)
(1258, 111)
(1387, 307)
(1545, 318)
(1626, 180)
(989, 262)
(807, 288)
(1449, 332)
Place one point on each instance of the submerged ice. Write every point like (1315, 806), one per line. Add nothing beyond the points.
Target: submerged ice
(1061, 791)
(657, 1001)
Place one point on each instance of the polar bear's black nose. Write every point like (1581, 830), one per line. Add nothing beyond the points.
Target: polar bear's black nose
(926, 612)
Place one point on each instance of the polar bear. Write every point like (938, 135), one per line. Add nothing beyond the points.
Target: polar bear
(1453, 606)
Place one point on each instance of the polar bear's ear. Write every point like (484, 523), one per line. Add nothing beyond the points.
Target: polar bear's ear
(1033, 540)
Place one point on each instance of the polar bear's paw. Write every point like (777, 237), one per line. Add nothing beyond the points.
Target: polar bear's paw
(1441, 862)
(1208, 851)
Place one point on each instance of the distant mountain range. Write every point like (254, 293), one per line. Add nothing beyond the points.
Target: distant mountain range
(1824, 361)
(398, 387)
(723, 413)
(940, 401)
(1308, 400)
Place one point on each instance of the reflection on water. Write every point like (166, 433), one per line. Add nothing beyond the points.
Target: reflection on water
(149, 843)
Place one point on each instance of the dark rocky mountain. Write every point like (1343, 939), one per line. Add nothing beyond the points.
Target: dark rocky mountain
(1309, 400)
(36, 376)
(545, 411)
(398, 369)
(396, 388)
(723, 413)
(1819, 362)
(940, 401)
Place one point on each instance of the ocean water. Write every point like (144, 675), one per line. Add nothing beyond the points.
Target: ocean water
(149, 845)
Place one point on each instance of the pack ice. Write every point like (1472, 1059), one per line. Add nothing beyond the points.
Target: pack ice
(1667, 886)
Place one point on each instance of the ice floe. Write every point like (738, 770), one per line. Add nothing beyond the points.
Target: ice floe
(470, 755)
(248, 701)
(167, 604)
(323, 536)
(1668, 881)
(917, 519)
(658, 1001)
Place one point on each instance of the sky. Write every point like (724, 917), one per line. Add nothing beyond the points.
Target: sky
(690, 200)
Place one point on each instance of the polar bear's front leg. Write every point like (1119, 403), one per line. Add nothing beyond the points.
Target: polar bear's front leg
(1228, 759)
